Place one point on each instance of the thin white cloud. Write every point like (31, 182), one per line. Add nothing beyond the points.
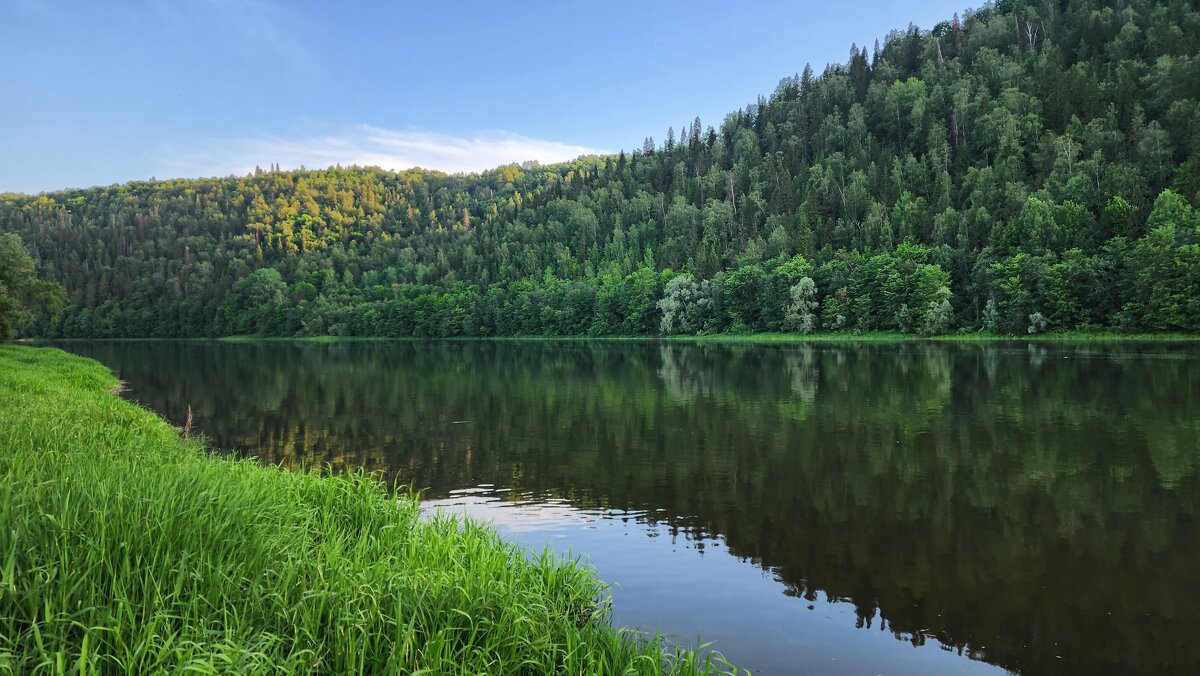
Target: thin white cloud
(366, 145)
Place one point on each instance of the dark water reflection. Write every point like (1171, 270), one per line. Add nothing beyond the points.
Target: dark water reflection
(822, 509)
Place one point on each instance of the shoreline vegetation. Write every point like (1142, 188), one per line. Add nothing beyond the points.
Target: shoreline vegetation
(718, 338)
(128, 548)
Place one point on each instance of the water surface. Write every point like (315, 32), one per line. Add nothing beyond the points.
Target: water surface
(827, 509)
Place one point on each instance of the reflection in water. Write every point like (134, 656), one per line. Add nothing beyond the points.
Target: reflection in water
(1033, 506)
(663, 579)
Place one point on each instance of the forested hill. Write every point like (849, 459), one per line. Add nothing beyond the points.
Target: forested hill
(1029, 166)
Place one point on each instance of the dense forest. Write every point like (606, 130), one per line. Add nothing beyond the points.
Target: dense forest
(1030, 166)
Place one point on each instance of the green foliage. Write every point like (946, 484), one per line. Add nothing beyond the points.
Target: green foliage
(686, 305)
(992, 152)
(991, 316)
(939, 313)
(802, 310)
(22, 295)
(127, 549)
(1037, 323)
(255, 301)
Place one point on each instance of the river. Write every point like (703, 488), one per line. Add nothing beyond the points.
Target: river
(907, 508)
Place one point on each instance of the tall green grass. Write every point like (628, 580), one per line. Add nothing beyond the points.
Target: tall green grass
(125, 549)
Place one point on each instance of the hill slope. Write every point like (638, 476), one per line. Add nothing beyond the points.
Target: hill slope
(1030, 166)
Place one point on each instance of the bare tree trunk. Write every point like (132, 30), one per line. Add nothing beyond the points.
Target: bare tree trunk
(729, 189)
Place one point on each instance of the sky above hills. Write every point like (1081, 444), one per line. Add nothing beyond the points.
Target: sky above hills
(100, 93)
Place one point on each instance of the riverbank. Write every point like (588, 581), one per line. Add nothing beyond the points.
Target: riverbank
(126, 548)
(1065, 337)
(767, 338)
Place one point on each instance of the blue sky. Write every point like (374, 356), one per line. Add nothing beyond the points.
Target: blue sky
(105, 92)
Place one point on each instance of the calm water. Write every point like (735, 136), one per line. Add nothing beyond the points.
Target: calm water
(891, 509)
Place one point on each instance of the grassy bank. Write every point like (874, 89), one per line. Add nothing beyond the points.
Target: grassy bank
(124, 548)
(1079, 337)
(774, 338)
(360, 339)
(883, 337)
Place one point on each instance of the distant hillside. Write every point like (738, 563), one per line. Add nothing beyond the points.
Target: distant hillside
(1029, 166)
